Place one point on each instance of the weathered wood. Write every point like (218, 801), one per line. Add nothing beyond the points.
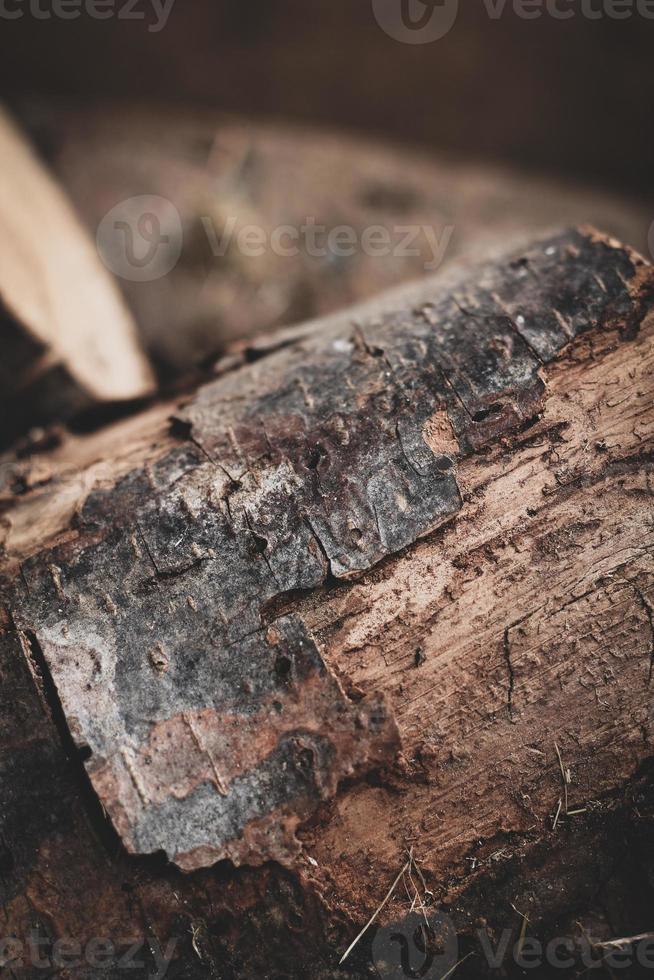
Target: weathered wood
(67, 340)
(439, 522)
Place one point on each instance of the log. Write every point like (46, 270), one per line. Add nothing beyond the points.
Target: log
(68, 341)
(380, 600)
(223, 172)
(451, 96)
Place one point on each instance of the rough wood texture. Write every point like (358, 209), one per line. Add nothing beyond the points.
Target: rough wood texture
(218, 170)
(440, 520)
(67, 340)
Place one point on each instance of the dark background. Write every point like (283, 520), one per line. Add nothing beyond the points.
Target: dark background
(572, 97)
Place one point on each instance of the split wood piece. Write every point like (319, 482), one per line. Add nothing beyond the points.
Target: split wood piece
(68, 342)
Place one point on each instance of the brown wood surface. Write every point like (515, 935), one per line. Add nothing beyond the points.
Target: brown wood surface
(447, 510)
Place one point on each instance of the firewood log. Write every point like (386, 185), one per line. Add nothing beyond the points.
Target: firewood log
(224, 174)
(379, 601)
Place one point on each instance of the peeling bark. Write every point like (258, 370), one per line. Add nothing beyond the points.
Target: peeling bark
(430, 529)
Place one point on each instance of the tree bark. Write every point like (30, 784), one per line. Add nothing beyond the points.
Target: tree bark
(385, 590)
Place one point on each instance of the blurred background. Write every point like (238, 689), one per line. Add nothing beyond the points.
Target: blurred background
(477, 120)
